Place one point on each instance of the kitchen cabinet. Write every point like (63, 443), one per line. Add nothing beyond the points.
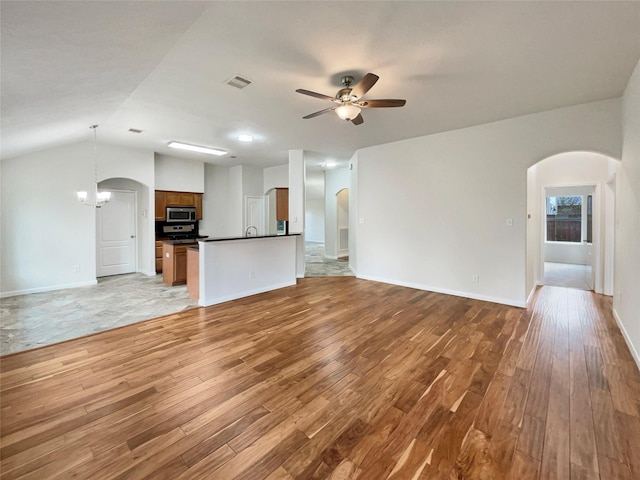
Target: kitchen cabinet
(158, 256)
(161, 205)
(165, 198)
(174, 264)
(198, 205)
(282, 204)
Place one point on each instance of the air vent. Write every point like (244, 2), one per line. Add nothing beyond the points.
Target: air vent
(238, 81)
(134, 130)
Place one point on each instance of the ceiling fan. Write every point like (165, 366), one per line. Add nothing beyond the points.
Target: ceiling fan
(348, 101)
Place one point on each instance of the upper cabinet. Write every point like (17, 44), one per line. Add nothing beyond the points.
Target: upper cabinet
(282, 204)
(161, 205)
(166, 199)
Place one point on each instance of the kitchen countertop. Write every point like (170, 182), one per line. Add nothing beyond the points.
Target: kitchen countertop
(223, 239)
(192, 241)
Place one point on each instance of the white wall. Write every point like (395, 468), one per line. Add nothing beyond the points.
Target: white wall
(46, 233)
(354, 213)
(215, 202)
(296, 191)
(566, 252)
(626, 299)
(433, 210)
(236, 201)
(179, 174)
(336, 179)
(276, 177)
(314, 214)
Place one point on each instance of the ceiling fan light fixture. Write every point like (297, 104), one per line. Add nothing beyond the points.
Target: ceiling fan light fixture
(347, 111)
(197, 148)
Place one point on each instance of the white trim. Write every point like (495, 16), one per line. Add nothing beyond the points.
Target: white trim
(51, 288)
(503, 301)
(533, 291)
(632, 349)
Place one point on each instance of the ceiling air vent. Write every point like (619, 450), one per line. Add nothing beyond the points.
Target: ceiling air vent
(238, 81)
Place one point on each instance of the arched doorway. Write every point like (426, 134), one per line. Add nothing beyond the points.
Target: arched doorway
(570, 221)
(123, 238)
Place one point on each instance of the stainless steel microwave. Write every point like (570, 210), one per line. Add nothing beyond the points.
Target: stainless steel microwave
(181, 214)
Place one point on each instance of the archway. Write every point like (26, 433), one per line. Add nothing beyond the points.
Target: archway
(579, 178)
(141, 228)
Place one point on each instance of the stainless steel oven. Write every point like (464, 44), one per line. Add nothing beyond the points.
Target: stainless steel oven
(181, 214)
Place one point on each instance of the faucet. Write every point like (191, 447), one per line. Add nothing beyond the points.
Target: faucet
(246, 232)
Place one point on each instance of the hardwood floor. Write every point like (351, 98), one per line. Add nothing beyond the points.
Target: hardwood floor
(334, 378)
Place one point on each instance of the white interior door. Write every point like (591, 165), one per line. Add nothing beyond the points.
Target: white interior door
(254, 214)
(116, 235)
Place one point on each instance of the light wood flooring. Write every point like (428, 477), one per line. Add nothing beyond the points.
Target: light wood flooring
(335, 378)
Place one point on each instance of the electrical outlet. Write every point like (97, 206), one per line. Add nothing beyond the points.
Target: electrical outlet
(475, 278)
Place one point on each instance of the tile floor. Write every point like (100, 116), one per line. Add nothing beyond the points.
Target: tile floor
(31, 321)
(316, 265)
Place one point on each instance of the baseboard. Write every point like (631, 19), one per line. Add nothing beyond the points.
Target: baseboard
(532, 293)
(484, 298)
(632, 348)
(51, 288)
(330, 257)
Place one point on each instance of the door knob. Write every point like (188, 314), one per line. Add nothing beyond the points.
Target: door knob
(133, 236)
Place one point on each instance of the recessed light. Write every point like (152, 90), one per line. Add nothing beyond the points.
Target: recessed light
(330, 164)
(245, 138)
(197, 148)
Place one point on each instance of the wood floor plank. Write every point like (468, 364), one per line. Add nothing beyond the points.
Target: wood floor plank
(333, 378)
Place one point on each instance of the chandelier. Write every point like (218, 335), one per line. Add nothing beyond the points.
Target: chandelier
(100, 197)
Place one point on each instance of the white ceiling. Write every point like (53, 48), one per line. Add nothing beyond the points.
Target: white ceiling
(161, 67)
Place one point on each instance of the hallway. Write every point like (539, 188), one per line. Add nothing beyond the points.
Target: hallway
(317, 265)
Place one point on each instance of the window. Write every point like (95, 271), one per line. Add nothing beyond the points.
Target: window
(567, 220)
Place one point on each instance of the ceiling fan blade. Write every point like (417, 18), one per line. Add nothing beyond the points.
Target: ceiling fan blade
(315, 114)
(382, 103)
(358, 120)
(364, 85)
(314, 94)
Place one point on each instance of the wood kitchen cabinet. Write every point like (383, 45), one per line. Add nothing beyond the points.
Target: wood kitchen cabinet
(282, 204)
(198, 205)
(165, 198)
(158, 256)
(174, 264)
(161, 205)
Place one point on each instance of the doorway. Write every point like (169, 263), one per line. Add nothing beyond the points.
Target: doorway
(116, 248)
(569, 242)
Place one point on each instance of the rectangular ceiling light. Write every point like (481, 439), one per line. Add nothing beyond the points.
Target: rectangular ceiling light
(196, 148)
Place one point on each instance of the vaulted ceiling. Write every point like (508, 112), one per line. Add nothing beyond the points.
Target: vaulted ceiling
(161, 67)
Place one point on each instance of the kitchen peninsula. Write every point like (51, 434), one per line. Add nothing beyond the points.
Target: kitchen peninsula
(235, 267)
